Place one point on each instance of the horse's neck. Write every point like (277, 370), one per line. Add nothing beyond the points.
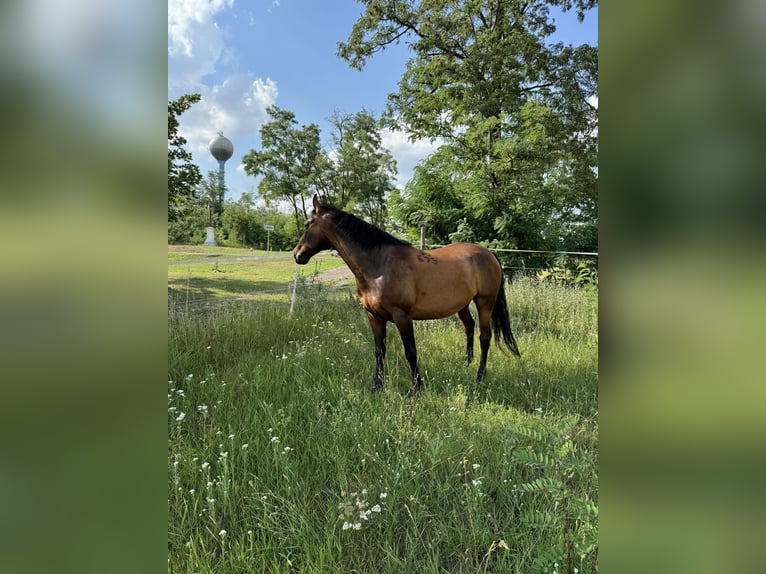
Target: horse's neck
(362, 263)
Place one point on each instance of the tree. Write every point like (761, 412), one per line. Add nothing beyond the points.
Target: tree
(291, 162)
(183, 175)
(239, 222)
(364, 169)
(210, 193)
(243, 225)
(431, 199)
(512, 108)
(188, 228)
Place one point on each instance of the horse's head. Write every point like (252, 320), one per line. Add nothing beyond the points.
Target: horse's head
(314, 238)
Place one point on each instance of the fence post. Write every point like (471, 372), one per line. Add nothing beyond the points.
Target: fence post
(295, 284)
(422, 237)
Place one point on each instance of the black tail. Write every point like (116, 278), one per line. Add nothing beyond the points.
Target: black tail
(501, 322)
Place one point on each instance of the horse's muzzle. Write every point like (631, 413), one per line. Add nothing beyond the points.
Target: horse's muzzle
(300, 257)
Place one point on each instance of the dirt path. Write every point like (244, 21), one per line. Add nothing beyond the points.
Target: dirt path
(338, 276)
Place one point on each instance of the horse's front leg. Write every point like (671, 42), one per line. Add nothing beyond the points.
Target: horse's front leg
(379, 332)
(407, 333)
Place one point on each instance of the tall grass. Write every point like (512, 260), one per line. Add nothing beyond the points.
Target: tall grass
(281, 459)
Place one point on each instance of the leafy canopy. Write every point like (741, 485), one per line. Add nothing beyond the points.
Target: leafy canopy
(183, 175)
(511, 107)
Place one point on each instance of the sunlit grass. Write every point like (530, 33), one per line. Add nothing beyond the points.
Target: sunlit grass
(213, 281)
(281, 459)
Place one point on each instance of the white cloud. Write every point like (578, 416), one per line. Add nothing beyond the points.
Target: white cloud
(195, 42)
(407, 153)
(184, 16)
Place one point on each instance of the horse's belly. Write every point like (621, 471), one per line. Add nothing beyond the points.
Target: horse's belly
(439, 305)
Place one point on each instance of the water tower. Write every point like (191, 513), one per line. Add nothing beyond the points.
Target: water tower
(222, 149)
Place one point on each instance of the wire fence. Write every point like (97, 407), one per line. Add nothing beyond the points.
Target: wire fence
(531, 261)
(527, 262)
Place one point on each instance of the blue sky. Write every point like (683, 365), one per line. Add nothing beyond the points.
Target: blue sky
(243, 56)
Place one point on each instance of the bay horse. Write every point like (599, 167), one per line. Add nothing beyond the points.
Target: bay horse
(398, 283)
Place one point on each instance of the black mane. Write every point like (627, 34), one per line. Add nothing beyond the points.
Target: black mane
(364, 234)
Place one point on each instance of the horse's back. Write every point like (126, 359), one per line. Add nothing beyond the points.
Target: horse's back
(450, 277)
(470, 258)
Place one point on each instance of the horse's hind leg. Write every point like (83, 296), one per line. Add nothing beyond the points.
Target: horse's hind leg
(484, 308)
(468, 325)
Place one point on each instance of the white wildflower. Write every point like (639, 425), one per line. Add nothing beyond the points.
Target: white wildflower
(231, 436)
(222, 533)
(383, 494)
(375, 508)
(476, 482)
(205, 465)
(475, 466)
(244, 446)
(181, 417)
(275, 439)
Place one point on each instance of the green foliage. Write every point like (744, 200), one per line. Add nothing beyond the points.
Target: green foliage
(294, 166)
(431, 199)
(203, 209)
(243, 225)
(183, 175)
(210, 193)
(555, 458)
(291, 162)
(363, 170)
(572, 271)
(188, 226)
(512, 109)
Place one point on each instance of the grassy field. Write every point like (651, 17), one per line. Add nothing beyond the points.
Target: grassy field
(281, 459)
(218, 280)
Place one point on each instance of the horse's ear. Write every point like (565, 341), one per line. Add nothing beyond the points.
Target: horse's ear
(316, 202)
